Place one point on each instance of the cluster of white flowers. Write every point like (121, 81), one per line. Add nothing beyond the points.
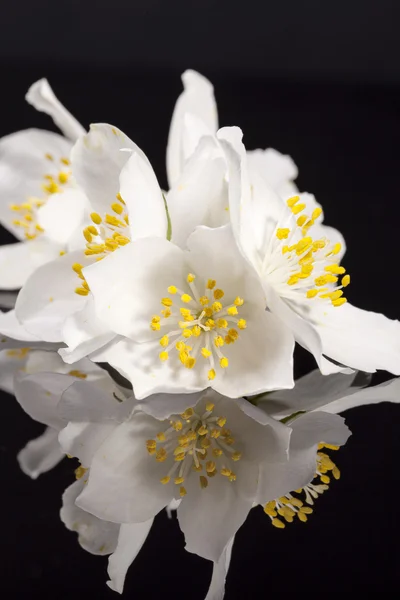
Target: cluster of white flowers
(154, 330)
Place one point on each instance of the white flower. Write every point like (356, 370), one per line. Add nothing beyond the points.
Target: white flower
(38, 382)
(298, 266)
(39, 200)
(190, 319)
(125, 203)
(207, 455)
(196, 168)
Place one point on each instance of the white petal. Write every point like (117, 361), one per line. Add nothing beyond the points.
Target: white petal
(39, 394)
(84, 333)
(95, 536)
(311, 392)
(41, 454)
(210, 517)
(23, 165)
(162, 406)
(140, 273)
(11, 363)
(62, 215)
(277, 479)
(216, 590)
(139, 363)
(49, 297)
(97, 161)
(385, 392)
(18, 261)
(83, 440)
(11, 327)
(304, 332)
(261, 360)
(196, 102)
(124, 482)
(42, 97)
(360, 339)
(143, 198)
(94, 402)
(199, 196)
(130, 540)
(275, 168)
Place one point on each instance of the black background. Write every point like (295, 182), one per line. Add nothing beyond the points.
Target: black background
(318, 83)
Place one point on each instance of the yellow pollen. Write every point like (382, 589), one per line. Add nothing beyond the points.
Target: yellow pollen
(112, 220)
(204, 300)
(211, 374)
(282, 233)
(216, 306)
(165, 480)
(339, 301)
(210, 406)
(190, 278)
(49, 156)
(119, 197)
(292, 201)
(238, 301)
(222, 323)
(161, 436)
(190, 362)
(298, 208)
(117, 208)
(206, 353)
(185, 298)
(161, 455)
(224, 362)
(278, 523)
(80, 472)
(301, 220)
(345, 280)
(232, 310)
(179, 480)
(166, 302)
(164, 341)
(182, 492)
(218, 294)
(317, 212)
(81, 291)
(211, 283)
(203, 481)
(163, 355)
(312, 293)
(172, 289)
(242, 324)
(196, 331)
(210, 466)
(335, 269)
(63, 177)
(202, 430)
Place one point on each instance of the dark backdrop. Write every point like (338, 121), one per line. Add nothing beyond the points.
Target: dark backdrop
(321, 86)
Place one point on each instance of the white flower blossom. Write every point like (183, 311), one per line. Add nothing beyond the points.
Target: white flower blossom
(298, 264)
(40, 202)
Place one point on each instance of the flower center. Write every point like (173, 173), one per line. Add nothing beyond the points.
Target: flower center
(305, 264)
(104, 236)
(290, 506)
(204, 320)
(198, 443)
(27, 211)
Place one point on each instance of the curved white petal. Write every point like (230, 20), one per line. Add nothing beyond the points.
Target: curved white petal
(210, 517)
(19, 261)
(39, 395)
(216, 590)
(311, 392)
(130, 540)
(275, 168)
(11, 327)
(385, 392)
(62, 215)
(124, 482)
(41, 454)
(199, 196)
(140, 273)
(359, 338)
(97, 160)
(25, 158)
(195, 114)
(277, 479)
(84, 333)
(49, 297)
(42, 97)
(94, 535)
(82, 440)
(143, 198)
